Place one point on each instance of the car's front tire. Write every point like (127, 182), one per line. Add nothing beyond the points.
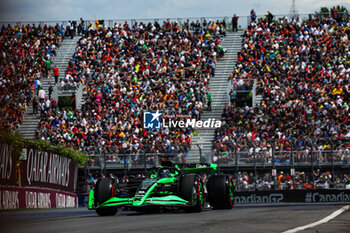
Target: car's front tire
(103, 191)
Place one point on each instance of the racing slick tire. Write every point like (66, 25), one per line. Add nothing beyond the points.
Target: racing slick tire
(103, 191)
(221, 191)
(192, 190)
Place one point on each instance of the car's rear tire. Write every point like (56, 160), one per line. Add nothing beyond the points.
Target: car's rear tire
(103, 191)
(192, 190)
(221, 191)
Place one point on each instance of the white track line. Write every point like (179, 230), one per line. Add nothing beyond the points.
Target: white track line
(324, 220)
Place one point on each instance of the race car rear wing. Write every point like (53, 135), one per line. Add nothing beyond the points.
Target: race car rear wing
(200, 167)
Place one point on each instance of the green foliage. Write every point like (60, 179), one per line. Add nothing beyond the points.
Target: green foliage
(341, 9)
(19, 142)
(324, 10)
(66, 103)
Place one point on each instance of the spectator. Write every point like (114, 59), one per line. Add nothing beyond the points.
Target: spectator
(35, 106)
(56, 73)
(269, 17)
(42, 107)
(233, 95)
(285, 57)
(47, 65)
(252, 16)
(301, 180)
(42, 94)
(209, 101)
(69, 29)
(23, 51)
(235, 23)
(50, 91)
(121, 82)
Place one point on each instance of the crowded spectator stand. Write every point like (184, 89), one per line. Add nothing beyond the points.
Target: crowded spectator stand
(128, 69)
(302, 71)
(26, 54)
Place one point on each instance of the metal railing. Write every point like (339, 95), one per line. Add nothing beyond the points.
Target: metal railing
(281, 157)
(130, 21)
(243, 85)
(130, 156)
(243, 22)
(227, 154)
(79, 94)
(257, 161)
(254, 94)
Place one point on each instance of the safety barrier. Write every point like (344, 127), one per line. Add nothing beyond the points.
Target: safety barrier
(283, 196)
(306, 196)
(35, 168)
(35, 198)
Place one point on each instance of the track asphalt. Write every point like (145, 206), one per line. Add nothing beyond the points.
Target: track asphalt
(242, 218)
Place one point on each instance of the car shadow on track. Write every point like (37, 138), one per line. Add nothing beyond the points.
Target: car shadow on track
(148, 212)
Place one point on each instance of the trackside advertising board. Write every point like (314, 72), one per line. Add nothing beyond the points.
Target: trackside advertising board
(8, 159)
(37, 169)
(308, 196)
(35, 198)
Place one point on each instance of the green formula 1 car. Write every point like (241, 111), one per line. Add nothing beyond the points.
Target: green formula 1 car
(167, 186)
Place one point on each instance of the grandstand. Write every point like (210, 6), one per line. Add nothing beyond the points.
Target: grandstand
(279, 85)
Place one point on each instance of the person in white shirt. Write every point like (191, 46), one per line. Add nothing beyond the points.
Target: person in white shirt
(42, 109)
(41, 94)
(47, 103)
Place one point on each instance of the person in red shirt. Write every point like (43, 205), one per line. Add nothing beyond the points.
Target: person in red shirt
(56, 73)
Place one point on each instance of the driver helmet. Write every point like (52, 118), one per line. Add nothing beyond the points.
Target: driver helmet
(164, 173)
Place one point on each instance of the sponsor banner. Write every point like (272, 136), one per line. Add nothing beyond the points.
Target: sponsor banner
(8, 159)
(35, 198)
(309, 196)
(37, 169)
(321, 196)
(255, 197)
(49, 170)
(274, 197)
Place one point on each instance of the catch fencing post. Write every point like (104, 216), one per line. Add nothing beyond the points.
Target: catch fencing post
(254, 156)
(273, 165)
(292, 166)
(273, 156)
(124, 163)
(144, 158)
(236, 158)
(331, 144)
(312, 164)
(200, 150)
(218, 155)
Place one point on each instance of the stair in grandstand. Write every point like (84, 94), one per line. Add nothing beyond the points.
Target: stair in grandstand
(64, 54)
(219, 88)
(258, 99)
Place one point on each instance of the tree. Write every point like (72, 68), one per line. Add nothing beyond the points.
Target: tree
(341, 11)
(324, 10)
